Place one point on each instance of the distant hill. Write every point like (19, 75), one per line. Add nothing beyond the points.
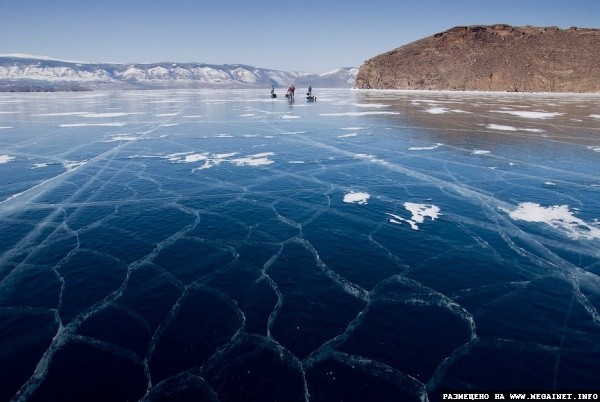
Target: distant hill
(30, 73)
(491, 58)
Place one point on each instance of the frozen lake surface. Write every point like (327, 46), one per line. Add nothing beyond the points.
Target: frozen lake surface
(220, 245)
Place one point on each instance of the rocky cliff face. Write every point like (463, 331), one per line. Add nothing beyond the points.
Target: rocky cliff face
(491, 58)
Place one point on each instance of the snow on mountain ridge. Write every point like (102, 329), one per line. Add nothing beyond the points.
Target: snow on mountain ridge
(20, 70)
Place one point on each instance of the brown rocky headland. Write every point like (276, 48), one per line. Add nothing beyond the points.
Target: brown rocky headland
(491, 58)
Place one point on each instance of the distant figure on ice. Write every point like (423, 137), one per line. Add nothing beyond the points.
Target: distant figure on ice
(273, 94)
(309, 95)
(290, 93)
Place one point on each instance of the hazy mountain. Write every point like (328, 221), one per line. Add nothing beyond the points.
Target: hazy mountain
(31, 73)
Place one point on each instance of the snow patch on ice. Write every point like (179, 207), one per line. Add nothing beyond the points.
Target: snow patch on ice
(437, 110)
(357, 198)
(357, 113)
(122, 137)
(366, 156)
(373, 105)
(419, 213)
(559, 217)
(595, 116)
(70, 165)
(6, 158)
(348, 135)
(254, 160)
(5, 128)
(511, 128)
(480, 152)
(212, 160)
(529, 114)
(594, 148)
(59, 114)
(290, 116)
(425, 148)
(195, 157)
(110, 114)
(93, 124)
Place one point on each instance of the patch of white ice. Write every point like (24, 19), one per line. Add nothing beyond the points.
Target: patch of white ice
(111, 114)
(437, 110)
(254, 160)
(595, 116)
(529, 114)
(425, 148)
(348, 135)
(93, 124)
(365, 156)
(559, 217)
(480, 152)
(357, 113)
(373, 105)
(356, 198)
(594, 148)
(58, 114)
(212, 160)
(70, 165)
(121, 137)
(419, 213)
(511, 128)
(6, 158)
(191, 158)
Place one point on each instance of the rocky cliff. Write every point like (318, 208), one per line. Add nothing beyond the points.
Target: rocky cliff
(491, 58)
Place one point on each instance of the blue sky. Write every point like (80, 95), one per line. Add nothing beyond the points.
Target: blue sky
(301, 35)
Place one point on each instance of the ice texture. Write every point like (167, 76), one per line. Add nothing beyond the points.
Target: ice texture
(222, 245)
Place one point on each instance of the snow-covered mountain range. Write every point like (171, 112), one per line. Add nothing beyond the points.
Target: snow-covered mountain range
(35, 73)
